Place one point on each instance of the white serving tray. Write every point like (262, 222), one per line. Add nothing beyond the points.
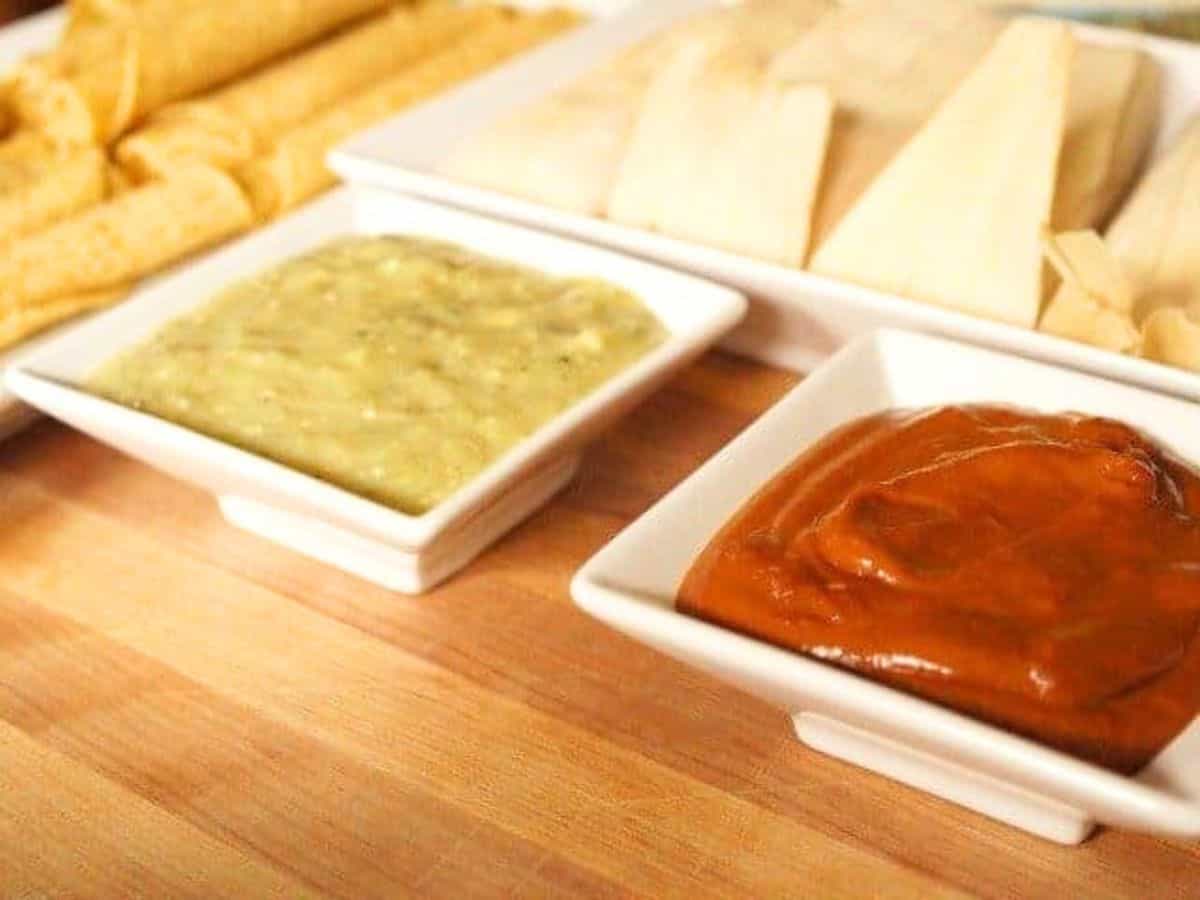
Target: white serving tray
(401, 552)
(796, 318)
(631, 584)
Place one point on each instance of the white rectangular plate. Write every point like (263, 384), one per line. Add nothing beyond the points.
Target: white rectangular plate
(631, 584)
(796, 318)
(362, 536)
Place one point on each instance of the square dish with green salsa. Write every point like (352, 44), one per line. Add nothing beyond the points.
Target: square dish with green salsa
(397, 368)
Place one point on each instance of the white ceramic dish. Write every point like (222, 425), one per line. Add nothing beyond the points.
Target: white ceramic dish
(405, 553)
(631, 585)
(796, 318)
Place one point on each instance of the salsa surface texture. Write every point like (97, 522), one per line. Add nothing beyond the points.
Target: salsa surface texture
(1041, 573)
(394, 367)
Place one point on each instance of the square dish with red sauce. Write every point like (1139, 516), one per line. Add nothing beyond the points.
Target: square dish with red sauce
(974, 573)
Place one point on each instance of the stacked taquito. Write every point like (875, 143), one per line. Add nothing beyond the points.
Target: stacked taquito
(157, 128)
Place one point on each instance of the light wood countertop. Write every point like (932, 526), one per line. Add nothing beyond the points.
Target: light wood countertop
(188, 711)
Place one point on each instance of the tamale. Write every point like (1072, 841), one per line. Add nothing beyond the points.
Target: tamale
(566, 150)
(1172, 335)
(1156, 236)
(562, 152)
(766, 180)
(713, 115)
(727, 156)
(760, 29)
(660, 158)
(888, 64)
(1112, 112)
(1151, 276)
(955, 218)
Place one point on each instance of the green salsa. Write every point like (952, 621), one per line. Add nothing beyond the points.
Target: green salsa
(393, 367)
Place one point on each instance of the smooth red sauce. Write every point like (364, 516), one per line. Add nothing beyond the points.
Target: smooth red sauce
(1038, 572)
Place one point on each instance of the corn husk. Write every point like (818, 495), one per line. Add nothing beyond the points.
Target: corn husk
(955, 219)
(1112, 114)
(888, 64)
(1171, 335)
(1156, 236)
(566, 151)
(725, 155)
(563, 152)
(1094, 302)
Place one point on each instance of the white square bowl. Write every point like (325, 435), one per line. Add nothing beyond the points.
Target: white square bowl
(632, 583)
(402, 552)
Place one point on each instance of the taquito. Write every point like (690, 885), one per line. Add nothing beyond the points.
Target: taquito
(295, 169)
(113, 243)
(238, 122)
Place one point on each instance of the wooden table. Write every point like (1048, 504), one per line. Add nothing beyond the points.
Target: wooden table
(188, 711)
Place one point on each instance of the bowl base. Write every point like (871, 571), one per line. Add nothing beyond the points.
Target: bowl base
(947, 779)
(405, 570)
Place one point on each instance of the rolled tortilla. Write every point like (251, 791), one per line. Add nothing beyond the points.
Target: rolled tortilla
(89, 13)
(86, 18)
(84, 14)
(25, 321)
(176, 137)
(295, 169)
(238, 122)
(121, 240)
(162, 52)
(75, 94)
(39, 190)
(8, 116)
(119, 181)
(19, 153)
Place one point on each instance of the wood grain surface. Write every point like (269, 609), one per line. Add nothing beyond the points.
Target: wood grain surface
(187, 711)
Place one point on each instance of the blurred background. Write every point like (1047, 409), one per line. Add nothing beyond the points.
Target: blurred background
(13, 9)
(1178, 18)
